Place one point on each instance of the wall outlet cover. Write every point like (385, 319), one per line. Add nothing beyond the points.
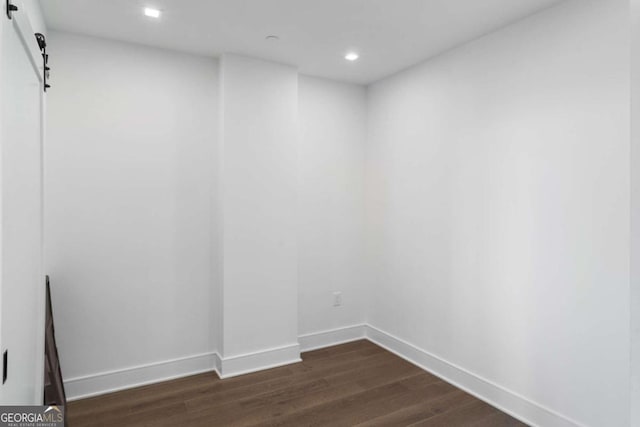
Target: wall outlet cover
(337, 299)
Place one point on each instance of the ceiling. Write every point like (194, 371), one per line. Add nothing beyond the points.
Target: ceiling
(314, 35)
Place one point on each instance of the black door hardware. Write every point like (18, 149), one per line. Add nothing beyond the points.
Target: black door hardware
(11, 8)
(42, 44)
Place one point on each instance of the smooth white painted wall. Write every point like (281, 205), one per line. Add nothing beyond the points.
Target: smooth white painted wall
(258, 177)
(635, 212)
(498, 208)
(332, 118)
(36, 17)
(129, 174)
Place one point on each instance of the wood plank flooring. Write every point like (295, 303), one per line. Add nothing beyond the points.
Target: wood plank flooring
(354, 384)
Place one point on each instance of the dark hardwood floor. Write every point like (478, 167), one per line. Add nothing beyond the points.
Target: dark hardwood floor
(351, 384)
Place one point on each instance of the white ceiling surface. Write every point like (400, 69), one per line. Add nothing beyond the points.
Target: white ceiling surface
(389, 35)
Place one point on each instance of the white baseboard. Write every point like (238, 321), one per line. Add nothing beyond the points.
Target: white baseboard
(233, 366)
(217, 364)
(331, 337)
(122, 379)
(107, 382)
(506, 400)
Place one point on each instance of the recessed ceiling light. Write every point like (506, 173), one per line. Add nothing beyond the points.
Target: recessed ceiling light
(351, 56)
(152, 13)
(272, 38)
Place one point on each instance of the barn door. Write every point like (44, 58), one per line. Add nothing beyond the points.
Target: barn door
(21, 210)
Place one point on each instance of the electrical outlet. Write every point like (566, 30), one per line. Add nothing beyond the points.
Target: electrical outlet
(337, 299)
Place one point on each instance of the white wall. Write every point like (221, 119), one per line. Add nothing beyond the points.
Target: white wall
(635, 213)
(34, 11)
(332, 119)
(498, 209)
(259, 169)
(129, 177)
(497, 205)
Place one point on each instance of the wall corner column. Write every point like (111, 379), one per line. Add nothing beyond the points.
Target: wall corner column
(258, 221)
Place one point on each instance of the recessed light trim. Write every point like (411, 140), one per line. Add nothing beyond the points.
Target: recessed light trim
(351, 56)
(151, 12)
(272, 38)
